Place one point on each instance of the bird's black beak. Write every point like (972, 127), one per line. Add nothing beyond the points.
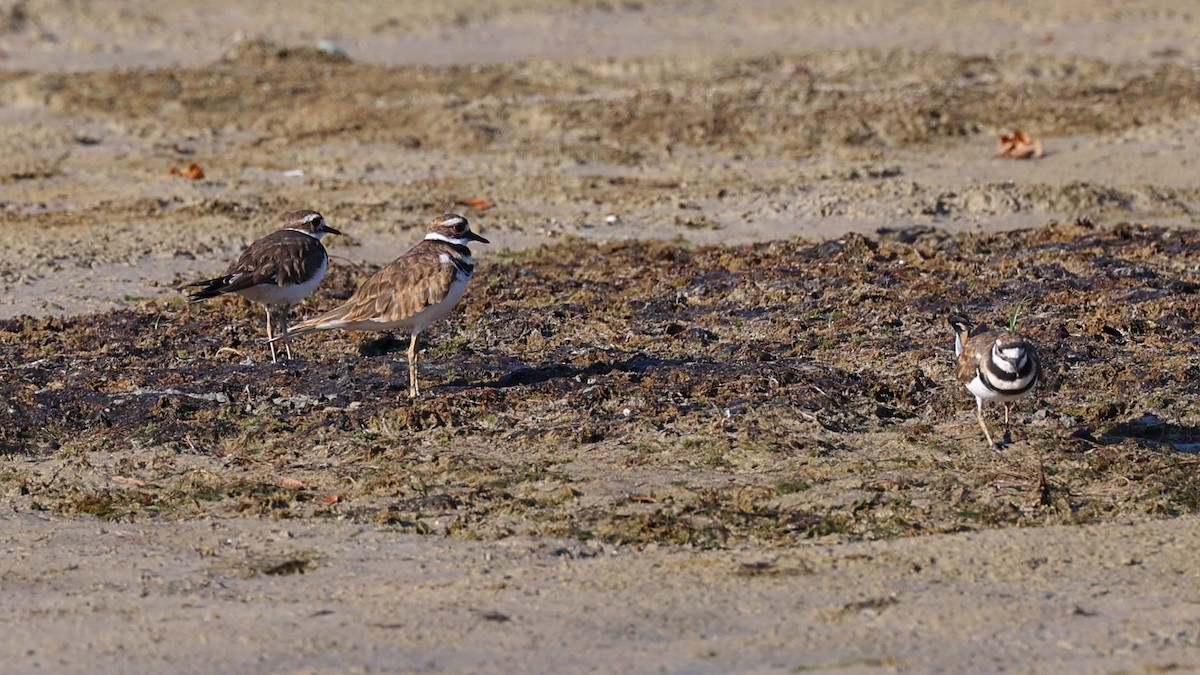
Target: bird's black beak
(330, 230)
(474, 237)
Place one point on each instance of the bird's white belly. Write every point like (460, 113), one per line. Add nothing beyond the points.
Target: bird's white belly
(981, 390)
(271, 294)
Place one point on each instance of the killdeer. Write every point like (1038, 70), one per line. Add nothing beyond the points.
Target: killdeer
(411, 293)
(994, 365)
(280, 269)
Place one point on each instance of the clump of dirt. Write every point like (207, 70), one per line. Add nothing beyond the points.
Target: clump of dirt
(645, 392)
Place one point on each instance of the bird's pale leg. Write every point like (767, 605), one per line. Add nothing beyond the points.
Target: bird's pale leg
(413, 387)
(270, 335)
(287, 344)
(983, 425)
(1007, 436)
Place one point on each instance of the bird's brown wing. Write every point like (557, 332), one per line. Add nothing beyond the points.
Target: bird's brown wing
(974, 350)
(282, 258)
(400, 290)
(409, 284)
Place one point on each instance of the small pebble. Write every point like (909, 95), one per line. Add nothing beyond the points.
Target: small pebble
(331, 47)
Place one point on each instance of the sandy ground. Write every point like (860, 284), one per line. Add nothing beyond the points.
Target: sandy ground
(709, 122)
(1111, 598)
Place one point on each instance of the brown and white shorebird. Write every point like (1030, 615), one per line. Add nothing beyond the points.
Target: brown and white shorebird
(278, 270)
(411, 293)
(994, 365)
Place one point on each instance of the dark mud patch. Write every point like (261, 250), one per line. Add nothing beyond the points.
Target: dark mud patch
(644, 392)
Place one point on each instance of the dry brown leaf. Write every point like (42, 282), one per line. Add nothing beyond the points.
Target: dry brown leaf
(479, 204)
(1019, 145)
(192, 171)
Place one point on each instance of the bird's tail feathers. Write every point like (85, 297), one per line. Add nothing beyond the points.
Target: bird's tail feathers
(963, 329)
(209, 288)
(326, 321)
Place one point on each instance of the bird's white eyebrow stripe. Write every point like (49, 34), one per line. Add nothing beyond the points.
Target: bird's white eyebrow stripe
(462, 241)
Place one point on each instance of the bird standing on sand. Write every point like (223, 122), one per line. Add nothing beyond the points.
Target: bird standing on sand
(415, 290)
(996, 365)
(280, 269)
